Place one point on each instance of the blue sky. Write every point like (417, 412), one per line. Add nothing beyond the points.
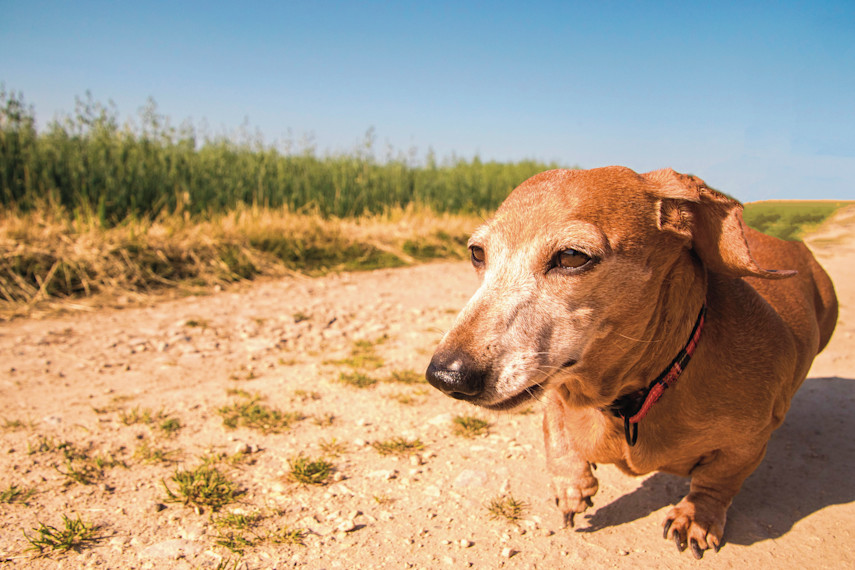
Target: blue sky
(758, 98)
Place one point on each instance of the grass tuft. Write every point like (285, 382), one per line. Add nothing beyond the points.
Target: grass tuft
(405, 377)
(469, 426)
(397, 446)
(332, 447)
(363, 355)
(357, 379)
(506, 507)
(203, 486)
(14, 494)
(309, 471)
(149, 454)
(252, 414)
(74, 535)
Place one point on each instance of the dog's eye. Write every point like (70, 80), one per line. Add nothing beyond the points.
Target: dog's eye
(477, 255)
(571, 259)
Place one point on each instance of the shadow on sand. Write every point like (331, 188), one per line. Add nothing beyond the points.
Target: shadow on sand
(807, 468)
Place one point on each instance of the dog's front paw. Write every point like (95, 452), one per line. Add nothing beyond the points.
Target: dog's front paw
(696, 522)
(573, 496)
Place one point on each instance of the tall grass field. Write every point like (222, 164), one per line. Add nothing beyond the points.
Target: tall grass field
(93, 208)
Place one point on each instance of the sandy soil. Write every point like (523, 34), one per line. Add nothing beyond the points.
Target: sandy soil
(74, 378)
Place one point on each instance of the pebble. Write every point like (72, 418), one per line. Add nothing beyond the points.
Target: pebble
(471, 478)
(172, 549)
(507, 552)
(385, 474)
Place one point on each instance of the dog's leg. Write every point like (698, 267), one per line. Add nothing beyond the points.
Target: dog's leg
(698, 520)
(574, 483)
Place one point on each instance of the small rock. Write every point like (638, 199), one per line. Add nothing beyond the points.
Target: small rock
(347, 525)
(439, 420)
(385, 474)
(172, 549)
(465, 543)
(623, 552)
(471, 478)
(507, 552)
(157, 507)
(243, 449)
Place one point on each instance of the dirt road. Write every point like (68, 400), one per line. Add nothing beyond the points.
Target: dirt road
(104, 384)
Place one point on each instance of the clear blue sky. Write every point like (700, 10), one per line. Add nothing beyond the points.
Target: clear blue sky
(758, 98)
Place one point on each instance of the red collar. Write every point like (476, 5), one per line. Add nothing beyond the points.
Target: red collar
(634, 406)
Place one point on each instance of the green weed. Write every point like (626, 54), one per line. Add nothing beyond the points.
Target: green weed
(254, 415)
(12, 425)
(363, 355)
(405, 377)
(287, 535)
(506, 507)
(357, 379)
(397, 446)
(309, 471)
(204, 486)
(170, 426)
(15, 494)
(332, 447)
(74, 535)
(469, 426)
(148, 454)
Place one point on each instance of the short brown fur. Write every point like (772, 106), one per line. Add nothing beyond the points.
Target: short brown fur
(660, 245)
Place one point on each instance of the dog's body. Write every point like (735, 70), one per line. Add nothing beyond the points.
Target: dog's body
(592, 282)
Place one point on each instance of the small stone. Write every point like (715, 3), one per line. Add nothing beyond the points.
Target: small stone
(347, 525)
(416, 460)
(172, 549)
(465, 543)
(385, 474)
(471, 478)
(243, 449)
(623, 552)
(507, 552)
(157, 507)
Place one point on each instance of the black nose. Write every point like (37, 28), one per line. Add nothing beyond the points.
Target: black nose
(457, 375)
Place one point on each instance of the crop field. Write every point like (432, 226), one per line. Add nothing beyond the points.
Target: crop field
(91, 165)
(90, 207)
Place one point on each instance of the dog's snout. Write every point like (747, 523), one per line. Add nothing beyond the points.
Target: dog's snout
(457, 376)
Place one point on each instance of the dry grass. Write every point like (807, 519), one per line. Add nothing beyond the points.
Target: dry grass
(49, 260)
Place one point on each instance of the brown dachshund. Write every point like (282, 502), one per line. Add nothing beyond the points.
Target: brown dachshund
(660, 332)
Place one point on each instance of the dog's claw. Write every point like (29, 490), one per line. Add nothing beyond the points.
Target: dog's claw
(681, 544)
(667, 525)
(568, 519)
(589, 502)
(697, 552)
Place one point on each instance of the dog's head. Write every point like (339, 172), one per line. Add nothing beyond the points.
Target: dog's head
(578, 269)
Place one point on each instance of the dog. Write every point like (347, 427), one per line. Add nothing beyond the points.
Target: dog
(660, 332)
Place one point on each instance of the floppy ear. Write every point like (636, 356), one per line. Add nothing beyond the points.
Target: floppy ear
(711, 221)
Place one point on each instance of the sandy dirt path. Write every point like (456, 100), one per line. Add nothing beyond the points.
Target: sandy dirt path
(77, 380)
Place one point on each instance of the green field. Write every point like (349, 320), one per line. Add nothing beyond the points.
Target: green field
(89, 207)
(789, 220)
(92, 165)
